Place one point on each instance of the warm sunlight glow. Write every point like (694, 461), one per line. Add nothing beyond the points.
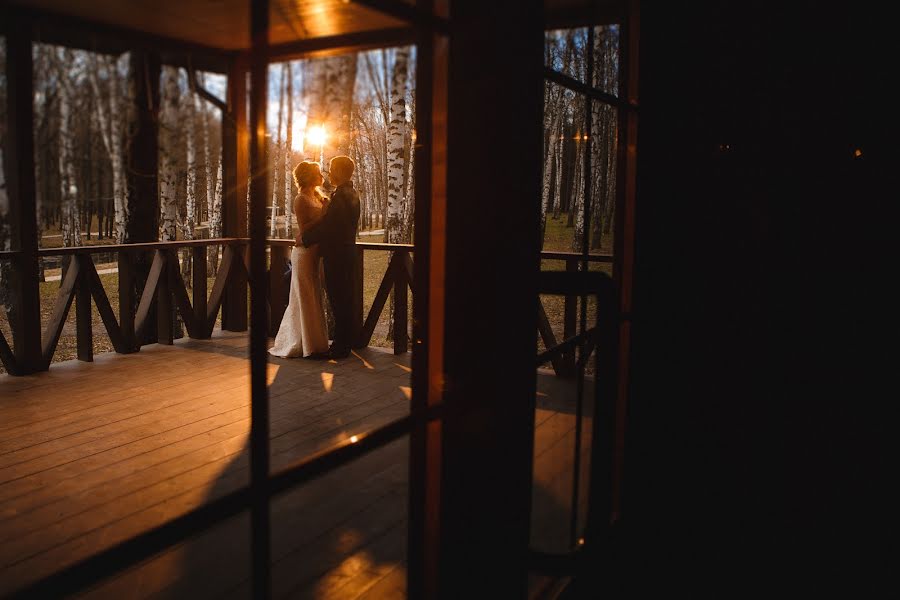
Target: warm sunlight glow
(365, 363)
(353, 439)
(403, 367)
(316, 135)
(327, 381)
(271, 372)
(407, 391)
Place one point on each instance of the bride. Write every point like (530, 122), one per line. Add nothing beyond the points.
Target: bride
(303, 331)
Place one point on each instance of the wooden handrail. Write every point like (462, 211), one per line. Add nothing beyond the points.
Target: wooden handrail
(72, 250)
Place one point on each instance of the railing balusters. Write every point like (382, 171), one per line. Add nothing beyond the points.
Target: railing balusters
(277, 305)
(571, 302)
(103, 306)
(60, 311)
(199, 292)
(126, 301)
(164, 316)
(81, 282)
(401, 314)
(359, 307)
(219, 289)
(150, 287)
(83, 325)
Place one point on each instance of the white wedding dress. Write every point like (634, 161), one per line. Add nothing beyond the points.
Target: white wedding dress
(303, 330)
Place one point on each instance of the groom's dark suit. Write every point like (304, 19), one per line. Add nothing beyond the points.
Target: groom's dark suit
(335, 233)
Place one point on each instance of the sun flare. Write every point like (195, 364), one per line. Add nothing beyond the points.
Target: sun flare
(316, 135)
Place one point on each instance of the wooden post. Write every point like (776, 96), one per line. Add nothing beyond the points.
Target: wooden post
(488, 430)
(25, 320)
(235, 161)
(401, 313)
(430, 163)
(83, 325)
(277, 265)
(141, 176)
(199, 292)
(358, 307)
(127, 301)
(260, 515)
(164, 316)
(569, 328)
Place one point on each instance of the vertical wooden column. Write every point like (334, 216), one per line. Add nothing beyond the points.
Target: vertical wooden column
(164, 315)
(358, 304)
(259, 338)
(401, 312)
(235, 140)
(83, 325)
(277, 265)
(127, 300)
(142, 166)
(199, 291)
(624, 240)
(432, 56)
(495, 101)
(569, 324)
(26, 318)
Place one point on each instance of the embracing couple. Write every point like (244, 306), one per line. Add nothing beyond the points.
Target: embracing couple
(328, 231)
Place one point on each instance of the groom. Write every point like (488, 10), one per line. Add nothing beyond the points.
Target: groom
(335, 233)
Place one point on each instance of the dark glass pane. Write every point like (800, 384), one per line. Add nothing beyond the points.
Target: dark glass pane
(565, 144)
(604, 130)
(344, 535)
(606, 59)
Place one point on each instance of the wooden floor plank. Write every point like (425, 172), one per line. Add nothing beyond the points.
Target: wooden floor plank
(92, 454)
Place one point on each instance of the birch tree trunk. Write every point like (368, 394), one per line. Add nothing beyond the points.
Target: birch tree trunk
(395, 148)
(170, 124)
(190, 197)
(215, 222)
(71, 219)
(109, 115)
(579, 198)
(549, 125)
(408, 202)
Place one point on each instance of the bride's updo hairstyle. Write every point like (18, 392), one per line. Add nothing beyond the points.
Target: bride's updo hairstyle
(305, 173)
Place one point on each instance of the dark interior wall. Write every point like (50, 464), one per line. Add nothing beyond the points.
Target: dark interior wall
(755, 445)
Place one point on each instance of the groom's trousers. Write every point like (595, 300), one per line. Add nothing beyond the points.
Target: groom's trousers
(340, 282)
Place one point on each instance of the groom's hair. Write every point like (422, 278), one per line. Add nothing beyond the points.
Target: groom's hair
(342, 166)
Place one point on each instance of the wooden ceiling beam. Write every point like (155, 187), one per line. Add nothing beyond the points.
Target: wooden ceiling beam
(74, 32)
(339, 44)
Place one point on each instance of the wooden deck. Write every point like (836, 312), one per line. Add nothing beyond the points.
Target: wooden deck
(94, 453)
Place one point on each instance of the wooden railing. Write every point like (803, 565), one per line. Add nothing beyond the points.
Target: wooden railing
(397, 277)
(164, 295)
(564, 363)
